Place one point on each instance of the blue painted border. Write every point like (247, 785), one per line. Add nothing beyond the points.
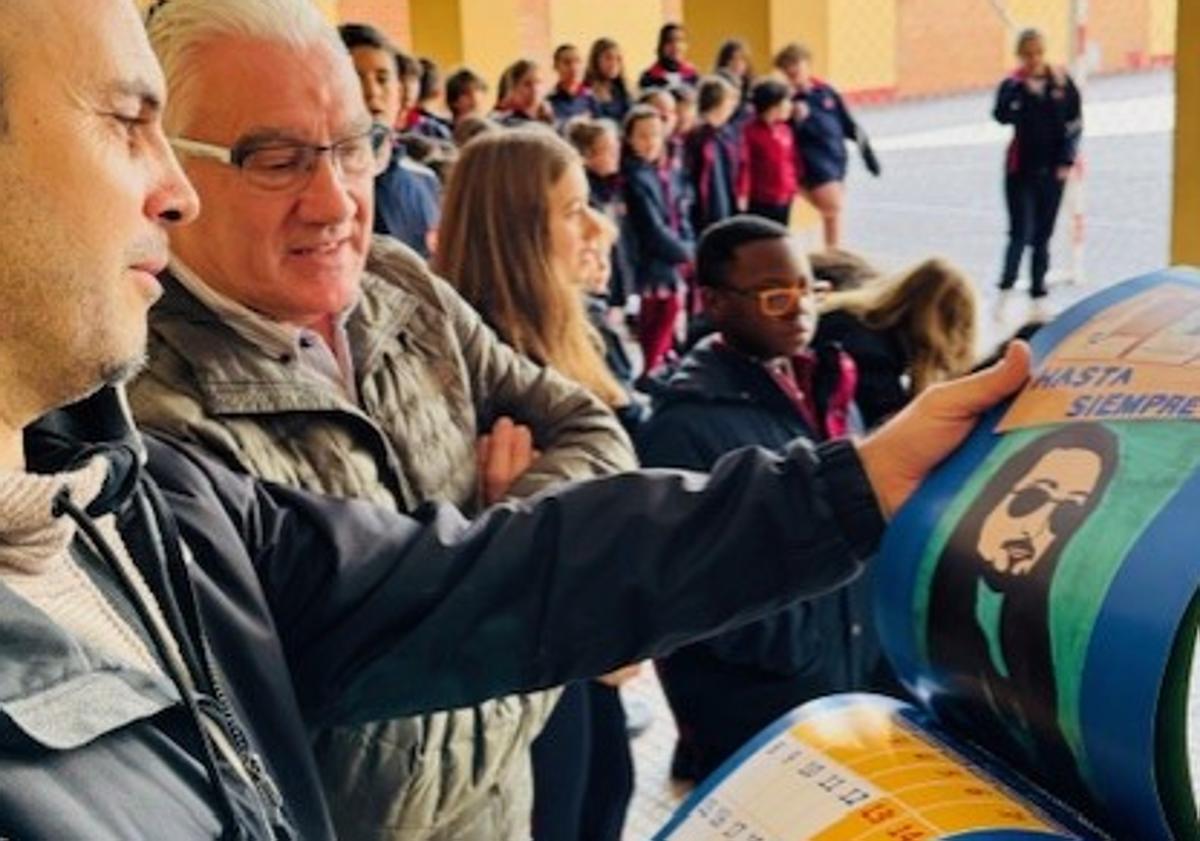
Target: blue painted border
(1127, 662)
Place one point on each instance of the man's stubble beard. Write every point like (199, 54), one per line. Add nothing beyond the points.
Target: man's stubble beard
(121, 372)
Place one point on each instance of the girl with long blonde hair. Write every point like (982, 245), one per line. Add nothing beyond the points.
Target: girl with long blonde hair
(515, 241)
(905, 333)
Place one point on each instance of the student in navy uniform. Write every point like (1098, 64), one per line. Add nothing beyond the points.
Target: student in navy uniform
(672, 67)
(519, 99)
(823, 125)
(656, 203)
(664, 102)
(465, 92)
(424, 120)
(1043, 106)
(768, 172)
(407, 195)
(687, 111)
(597, 291)
(409, 71)
(605, 78)
(571, 96)
(711, 155)
(733, 64)
(756, 383)
(599, 144)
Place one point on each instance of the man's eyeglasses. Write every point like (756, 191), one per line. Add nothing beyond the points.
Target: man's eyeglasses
(1067, 514)
(777, 301)
(278, 166)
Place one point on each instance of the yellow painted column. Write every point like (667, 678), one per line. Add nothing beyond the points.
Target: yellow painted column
(1163, 15)
(437, 31)
(491, 36)
(1186, 241)
(710, 22)
(484, 35)
(633, 24)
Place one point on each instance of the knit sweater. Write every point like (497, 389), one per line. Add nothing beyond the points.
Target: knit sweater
(36, 561)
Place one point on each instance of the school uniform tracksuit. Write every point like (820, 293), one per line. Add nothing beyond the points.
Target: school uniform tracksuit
(822, 126)
(711, 160)
(769, 171)
(666, 73)
(408, 199)
(655, 199)
(568, 105)
(1048, 125)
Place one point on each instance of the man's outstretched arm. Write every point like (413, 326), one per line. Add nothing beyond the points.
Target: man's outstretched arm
(383, 615)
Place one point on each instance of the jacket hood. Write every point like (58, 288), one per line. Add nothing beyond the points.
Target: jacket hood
(100, 424)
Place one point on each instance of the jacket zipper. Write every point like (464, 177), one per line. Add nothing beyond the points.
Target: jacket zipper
(268, 793)
(259, 776)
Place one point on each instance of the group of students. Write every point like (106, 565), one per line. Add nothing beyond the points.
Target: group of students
(664, 162)
(725, 143)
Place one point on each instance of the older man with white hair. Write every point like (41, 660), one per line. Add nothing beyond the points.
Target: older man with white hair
(296, 348)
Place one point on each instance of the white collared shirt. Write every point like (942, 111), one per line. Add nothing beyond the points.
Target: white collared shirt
(282, 341)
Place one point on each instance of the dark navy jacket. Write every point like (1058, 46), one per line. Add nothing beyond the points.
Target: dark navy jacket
(711, 160)
(567, 105)
(658, 220)
(665, 73)
(1047, 125)
(822, 134)
(717, 401)
(607, 195)
(429, 124)
(616, 108)
(881, 360)
(408, 199)
(634, 413)
(296, 612)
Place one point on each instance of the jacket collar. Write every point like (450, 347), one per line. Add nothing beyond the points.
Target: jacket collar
(711, 373)
(236, 377)
(98, 425)
(58, 692)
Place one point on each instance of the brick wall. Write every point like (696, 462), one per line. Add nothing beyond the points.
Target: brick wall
(1122, 30)
(944, 45)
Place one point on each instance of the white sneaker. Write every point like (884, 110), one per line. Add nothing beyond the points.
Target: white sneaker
(1040, 309)
(1000, 306)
